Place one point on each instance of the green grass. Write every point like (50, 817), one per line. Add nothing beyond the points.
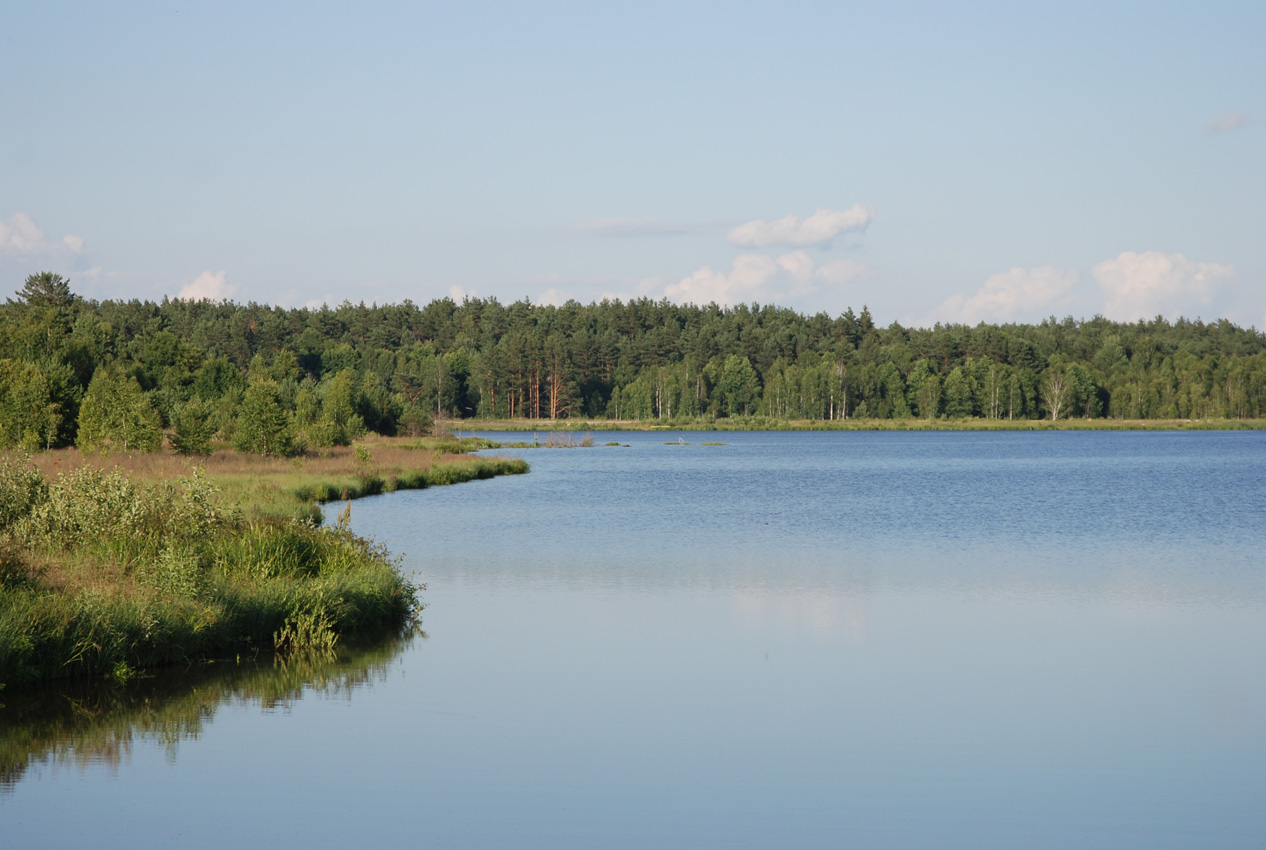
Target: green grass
(104, 574)
(299, 494)
(112, 609)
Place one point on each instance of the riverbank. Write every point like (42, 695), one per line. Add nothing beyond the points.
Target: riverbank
(114, 565)
(295, 487)
(767, 423)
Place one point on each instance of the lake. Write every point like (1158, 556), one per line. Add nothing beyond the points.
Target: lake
(816, 639)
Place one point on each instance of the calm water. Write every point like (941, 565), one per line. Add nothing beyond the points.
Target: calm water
(791, 640)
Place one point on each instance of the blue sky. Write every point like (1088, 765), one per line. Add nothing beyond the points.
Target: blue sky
(937, 162)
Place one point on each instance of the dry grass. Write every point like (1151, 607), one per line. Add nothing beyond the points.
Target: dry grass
(291, 486)
(386, 453)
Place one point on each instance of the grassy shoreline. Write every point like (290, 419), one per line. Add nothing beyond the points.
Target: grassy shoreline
(114, 565)
(295, 487)
(764, 423)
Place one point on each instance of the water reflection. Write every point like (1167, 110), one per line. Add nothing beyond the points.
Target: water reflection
(1126, 518)
(96, 724)
(788, 641)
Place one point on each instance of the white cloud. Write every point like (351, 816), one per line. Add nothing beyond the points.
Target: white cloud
(818, 229)
(208, 286)
(1139, 286)
(760, 277)
(552, 297)
(647, 286)
(22, 238)
(460, 293)
(1227, 123)
(748, 275)
(1014, 295)
(841, 271)
(21, 235)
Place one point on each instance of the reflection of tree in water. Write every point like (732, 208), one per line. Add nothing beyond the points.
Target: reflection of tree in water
(83, 725)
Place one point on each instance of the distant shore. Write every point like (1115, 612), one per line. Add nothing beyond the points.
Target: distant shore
(764, 423)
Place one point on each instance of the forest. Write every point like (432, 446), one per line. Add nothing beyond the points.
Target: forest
(131, 374)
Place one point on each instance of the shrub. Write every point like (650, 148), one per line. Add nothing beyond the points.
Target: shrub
(22, 487)
(85, 506)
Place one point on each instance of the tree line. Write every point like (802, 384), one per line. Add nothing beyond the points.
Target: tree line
(270, 379)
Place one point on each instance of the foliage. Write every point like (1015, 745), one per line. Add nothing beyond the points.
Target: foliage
(147, 576)
(45, 289)
(22, 487)
(86, 506)
(116, 414)
(326, 377)
(262, 425)
(193, 428)
(28, 414)
(339, 423)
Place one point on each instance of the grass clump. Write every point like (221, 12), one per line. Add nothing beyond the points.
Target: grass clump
(104, 576)
(554, 440)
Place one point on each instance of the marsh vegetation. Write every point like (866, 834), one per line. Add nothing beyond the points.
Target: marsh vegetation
(113, 565)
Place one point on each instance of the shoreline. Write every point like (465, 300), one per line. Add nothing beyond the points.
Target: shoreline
(113, 566)
(760, 423)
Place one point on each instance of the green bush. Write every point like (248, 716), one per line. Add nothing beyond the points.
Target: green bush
(196, 581)
(22, 487)
(87, 505)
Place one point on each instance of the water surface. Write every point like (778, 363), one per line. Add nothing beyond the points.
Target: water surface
(794, 640)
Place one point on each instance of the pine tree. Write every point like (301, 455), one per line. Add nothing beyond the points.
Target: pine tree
(45, 289)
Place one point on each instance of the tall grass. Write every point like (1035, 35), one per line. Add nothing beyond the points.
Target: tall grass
(104, 573)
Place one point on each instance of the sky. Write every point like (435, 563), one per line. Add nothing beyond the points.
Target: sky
(938, 162)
